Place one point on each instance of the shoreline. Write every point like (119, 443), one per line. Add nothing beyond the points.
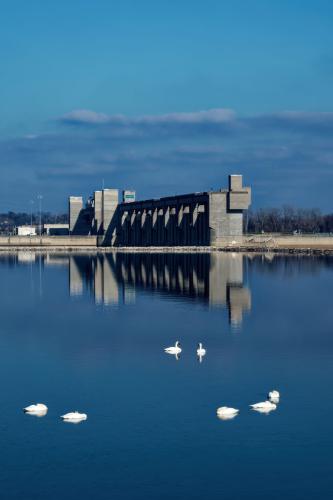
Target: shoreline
(312, 244)
(290, 250)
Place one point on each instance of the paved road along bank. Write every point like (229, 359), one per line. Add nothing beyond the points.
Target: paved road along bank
(252, 243)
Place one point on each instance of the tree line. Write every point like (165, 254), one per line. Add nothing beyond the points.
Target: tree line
(288, 220)
(269, 220)
(10, 220)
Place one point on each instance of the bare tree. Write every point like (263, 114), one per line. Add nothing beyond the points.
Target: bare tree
(289, 220)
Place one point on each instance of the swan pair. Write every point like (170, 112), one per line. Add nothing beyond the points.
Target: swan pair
(227, 413)
(268, 405)
(176, 350)
(40, 410)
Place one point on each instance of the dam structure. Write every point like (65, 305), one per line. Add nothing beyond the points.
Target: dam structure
(210, 218)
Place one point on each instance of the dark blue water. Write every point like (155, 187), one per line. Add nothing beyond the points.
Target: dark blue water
(88, 332)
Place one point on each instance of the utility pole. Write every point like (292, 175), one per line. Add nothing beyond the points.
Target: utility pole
(31, 203)
(40, 197)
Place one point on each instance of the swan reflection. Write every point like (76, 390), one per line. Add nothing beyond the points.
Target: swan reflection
(37, 414)
(265, 411)
(226, 417)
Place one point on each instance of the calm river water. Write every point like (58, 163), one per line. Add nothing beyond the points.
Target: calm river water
(87, 332)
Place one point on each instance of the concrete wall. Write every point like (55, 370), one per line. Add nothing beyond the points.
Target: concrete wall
(109, 209)
(75, 207)
(48, 241)
(226, 212)
(235, 182)
(172, 221)
(98, 216)
(218, 217)
(56, 229)
(225, 224)
(80, 218)
(279, 241)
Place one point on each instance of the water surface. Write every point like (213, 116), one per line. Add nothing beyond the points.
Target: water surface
(87, 332)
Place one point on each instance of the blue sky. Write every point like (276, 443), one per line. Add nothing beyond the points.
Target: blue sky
(166, 97)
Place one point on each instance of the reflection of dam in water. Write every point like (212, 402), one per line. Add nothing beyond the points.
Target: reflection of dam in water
(214, 279)
(217, 279)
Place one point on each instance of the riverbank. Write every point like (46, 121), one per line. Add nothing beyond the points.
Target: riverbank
(169, 250)
(308, 244)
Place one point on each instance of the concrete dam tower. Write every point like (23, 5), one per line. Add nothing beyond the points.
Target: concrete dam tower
(213, 218)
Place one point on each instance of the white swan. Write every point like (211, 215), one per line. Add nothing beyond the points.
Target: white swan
(226, 413)
(176, 349)
(201, 351)
(38, 409)
(274, 396)
(74, 416)
(264, 406)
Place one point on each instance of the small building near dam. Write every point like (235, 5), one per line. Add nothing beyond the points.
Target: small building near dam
(26, 230)
(210, 218)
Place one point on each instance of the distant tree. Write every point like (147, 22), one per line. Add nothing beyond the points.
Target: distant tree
(288, 220)
(9, 220)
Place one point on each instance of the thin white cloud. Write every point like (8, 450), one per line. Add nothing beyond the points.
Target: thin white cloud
(88, 117)
(30, 137)
(212, 122)
(315, 116)
(85, 116)
(218, 115)
(294, 118)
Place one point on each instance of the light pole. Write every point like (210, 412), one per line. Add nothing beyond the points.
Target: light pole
(40, 197)
(31, 203)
